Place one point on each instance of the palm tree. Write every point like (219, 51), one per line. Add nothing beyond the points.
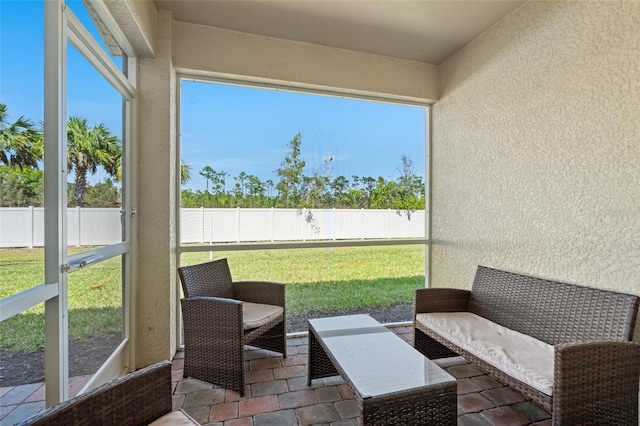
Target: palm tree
(185, 172)
(19, 141)
(88, 148)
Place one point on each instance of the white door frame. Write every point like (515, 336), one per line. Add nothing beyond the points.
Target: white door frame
(61, 27)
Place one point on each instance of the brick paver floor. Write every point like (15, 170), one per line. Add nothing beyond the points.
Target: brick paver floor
(277, 394)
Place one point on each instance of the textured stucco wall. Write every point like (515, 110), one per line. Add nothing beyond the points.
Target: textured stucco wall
(213, 51)
(156, 210)
(137, 20)
(536, 148)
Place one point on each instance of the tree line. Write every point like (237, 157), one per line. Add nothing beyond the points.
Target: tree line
(296, 187)
(93, 147)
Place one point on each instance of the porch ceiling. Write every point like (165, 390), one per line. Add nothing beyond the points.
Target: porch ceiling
(425, 31)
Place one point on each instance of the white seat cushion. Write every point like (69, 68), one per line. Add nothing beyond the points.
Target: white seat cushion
(521, 356)
(255, 315)
(175, 418)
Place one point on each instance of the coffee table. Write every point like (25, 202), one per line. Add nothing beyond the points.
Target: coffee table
(393, 383)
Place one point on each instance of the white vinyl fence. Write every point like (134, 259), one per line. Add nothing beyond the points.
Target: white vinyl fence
(24, 226)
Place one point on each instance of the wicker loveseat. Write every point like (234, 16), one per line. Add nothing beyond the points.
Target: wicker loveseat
(566, 347)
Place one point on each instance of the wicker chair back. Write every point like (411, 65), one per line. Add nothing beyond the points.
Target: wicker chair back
(134, 399)
(211, 279)
(551, 311)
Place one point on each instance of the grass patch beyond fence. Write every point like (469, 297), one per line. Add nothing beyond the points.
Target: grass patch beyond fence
(318, 280)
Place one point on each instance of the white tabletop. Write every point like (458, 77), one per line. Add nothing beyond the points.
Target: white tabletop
(376, 360)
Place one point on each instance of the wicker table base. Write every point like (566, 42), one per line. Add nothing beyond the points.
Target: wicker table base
(393, 383)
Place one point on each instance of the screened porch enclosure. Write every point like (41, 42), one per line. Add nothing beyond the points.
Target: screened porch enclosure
(531, 151)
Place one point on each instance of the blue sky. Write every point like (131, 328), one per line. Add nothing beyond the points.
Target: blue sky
(235, 129)
(230, 128)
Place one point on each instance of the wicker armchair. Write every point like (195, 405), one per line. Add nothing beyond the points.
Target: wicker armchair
(220, 316)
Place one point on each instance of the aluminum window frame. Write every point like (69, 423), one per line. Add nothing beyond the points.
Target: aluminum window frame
(398, 100)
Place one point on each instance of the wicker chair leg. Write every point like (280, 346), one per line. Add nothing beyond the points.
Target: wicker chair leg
(227, 374)
(274, 340)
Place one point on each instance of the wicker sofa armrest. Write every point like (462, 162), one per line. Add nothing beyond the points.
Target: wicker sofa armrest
(440, 300)
(594, 381)
(137, 398)
(270, 293)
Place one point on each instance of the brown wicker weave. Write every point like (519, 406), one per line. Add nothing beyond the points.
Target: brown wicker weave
(137, 398)
(214, 338)
(596, 367)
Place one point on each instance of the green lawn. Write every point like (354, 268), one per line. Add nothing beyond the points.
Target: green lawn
(332, 278)
(95, 299)
(317, 280)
